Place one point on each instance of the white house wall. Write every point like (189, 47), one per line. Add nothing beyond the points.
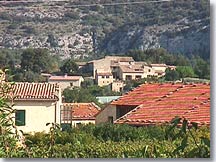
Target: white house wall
(37, 114)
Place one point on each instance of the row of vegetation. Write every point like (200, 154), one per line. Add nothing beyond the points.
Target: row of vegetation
(32, 62)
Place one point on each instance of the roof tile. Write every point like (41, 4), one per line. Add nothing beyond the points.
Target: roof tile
(34, 91)
(191, 102)
(81, 111)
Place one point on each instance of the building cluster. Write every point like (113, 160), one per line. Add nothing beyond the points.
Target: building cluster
(115, 70)
(37, 104)
(112, 71)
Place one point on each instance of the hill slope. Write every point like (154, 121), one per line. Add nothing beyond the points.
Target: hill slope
(80, 28)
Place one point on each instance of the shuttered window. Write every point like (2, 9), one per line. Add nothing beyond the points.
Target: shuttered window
(20, 117)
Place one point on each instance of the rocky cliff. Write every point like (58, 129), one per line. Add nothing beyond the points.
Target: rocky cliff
(80, 28)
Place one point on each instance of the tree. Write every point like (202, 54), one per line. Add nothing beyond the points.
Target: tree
(78, 95)
(36, 60)
(185, 71)
(70, 67)
(171, 75)
(201, 67)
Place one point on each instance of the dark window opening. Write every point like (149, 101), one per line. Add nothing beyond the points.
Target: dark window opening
(20, 118)
(110, 119)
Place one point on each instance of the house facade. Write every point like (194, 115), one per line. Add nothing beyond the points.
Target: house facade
(152, 104)
(159, 69)
(106, 63)
(130, 72)
(103, 78)
(66, 81)
(117, 86)
(36, 104)
(74, 114)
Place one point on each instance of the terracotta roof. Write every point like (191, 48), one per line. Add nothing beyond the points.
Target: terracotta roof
(186, 101)
(120, 58)
(34, 91)
(104, 74)
(159, 65)
(144, 93)
(131, 68)
(82, 111)
(64, 78)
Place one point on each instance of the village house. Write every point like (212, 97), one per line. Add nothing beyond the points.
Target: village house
(151, 104)
(130, 72)
(66, 81)
(103, 78)
(36, 104)
(75, 114)
(117, 86)
(104, 64)
(159, 69)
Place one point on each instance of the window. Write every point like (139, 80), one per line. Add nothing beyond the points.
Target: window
(128, 77)
(107, 76)
(138, 76)
(103, 76)
(110, 119)
(149, 70)
(78, 125)
(71, 84)
(20, 117)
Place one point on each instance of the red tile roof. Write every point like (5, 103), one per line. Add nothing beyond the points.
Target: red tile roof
(104, 74)
(81, 111)
(131, 68)
(146, 92)
(161, 103)
(64, 78)
(159, 65)
(34, 91)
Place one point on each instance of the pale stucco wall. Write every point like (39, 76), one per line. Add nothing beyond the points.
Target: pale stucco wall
(104, 81)
(132, 74)
(116, 86)
(65, 84)
(102, 117)
(148, 71)
(37, 114)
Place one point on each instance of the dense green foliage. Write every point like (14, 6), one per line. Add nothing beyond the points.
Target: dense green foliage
(123, 141)
(69, 67)
(87, 93)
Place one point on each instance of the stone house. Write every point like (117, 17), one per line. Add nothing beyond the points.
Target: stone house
(103, 78)
(66, 81)
(74, 114)
(159, 69)
(151, 104)
(36, 104)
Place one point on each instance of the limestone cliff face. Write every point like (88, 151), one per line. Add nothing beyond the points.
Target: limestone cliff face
(181, 37)
(78, 32)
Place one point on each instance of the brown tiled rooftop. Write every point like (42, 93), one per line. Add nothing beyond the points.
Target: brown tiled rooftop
(82, 111)
(64, 78)
(131, 68)
(159, 104)
(104, 74)
(34, 91)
